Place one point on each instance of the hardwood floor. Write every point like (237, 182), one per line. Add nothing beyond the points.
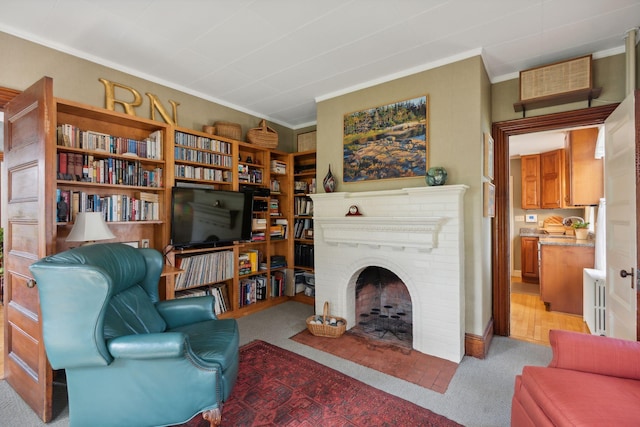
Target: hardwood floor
(531, 322)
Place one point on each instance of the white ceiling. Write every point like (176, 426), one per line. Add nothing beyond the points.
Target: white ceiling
(276, 58)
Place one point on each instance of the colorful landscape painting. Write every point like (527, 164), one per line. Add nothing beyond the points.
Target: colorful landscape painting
(385, 142)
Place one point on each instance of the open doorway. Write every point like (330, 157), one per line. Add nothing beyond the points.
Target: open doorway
(501, 252)
(531, 316)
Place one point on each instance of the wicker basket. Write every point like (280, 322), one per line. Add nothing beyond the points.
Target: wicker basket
(211, 130)
(324, 329)
(229, 130)
(263, 136)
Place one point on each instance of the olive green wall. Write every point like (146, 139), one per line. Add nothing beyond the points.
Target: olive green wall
(459, 113)
(462, 103)
(75, 79)
(608, 74)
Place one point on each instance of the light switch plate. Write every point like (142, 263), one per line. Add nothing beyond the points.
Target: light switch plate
(531, 218)
(519, 218)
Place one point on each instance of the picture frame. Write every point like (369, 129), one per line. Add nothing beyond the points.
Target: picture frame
(387, 141)
(489, 196)
(488, 156)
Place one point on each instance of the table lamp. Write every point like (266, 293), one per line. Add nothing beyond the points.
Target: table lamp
(89, 227)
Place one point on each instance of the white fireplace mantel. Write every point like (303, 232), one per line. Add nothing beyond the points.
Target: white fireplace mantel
(395, 232)
(416, 233)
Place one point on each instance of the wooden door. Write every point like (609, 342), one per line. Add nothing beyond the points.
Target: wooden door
(529, 259)
(530, 167)
(30, 128)
(551, 179)
(621, 192)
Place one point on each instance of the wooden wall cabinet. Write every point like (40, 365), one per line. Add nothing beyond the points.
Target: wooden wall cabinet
(529, 259)
(544, 186)
(115, 163)
(258, 272)
(585, 172)
(530, 167)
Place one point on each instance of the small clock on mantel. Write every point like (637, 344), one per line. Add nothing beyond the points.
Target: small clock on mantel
(353, 211)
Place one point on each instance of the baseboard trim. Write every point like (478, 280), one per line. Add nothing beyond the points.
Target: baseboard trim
(478, 346)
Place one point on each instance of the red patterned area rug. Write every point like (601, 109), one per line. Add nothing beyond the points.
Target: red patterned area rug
(277, 387)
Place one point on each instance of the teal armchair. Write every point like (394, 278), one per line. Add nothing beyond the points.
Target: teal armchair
(131, 359)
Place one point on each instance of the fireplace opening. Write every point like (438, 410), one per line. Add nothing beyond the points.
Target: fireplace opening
(383, 307)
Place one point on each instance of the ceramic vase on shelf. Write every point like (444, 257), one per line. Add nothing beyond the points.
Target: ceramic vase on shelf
(436, 175)
(329, 182)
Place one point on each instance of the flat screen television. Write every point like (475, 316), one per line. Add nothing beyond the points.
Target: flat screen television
(202, 217)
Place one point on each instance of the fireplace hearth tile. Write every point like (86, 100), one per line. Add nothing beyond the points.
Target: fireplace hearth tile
(427, 371)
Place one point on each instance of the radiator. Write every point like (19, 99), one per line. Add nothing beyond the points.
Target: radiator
(595, 301)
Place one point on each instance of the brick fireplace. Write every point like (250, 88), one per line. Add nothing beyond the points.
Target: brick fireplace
(417, 234)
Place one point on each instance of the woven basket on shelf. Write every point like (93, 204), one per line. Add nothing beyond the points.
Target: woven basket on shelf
(324, 329)
(229, 130)
(211, 130)
(263, 136)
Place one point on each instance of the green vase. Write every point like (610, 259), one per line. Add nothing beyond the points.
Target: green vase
(436, 175)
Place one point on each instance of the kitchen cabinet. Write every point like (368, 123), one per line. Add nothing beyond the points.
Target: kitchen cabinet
(552, 179)
(544, 184)
(529, 259)
(585, 172)
(561, 266)
(530, 170)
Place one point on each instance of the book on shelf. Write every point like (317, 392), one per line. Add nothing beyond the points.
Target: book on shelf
(274, 207)
(303, 255)
(258, 224)
(278, 167)
(284, 223)
(204, 268)
(302, 228)
(219, 293)
(73, 137)
(252, 290)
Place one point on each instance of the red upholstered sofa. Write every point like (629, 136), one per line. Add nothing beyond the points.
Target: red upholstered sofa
(591, 381)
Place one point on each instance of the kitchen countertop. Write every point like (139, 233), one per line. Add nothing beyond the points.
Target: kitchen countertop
(545, 238)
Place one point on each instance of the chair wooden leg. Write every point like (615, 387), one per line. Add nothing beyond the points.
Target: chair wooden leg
(214, 416)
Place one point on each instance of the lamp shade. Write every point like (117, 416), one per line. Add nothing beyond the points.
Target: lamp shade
(88, 227)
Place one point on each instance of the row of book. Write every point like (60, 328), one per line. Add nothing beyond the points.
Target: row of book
(205, 268)
(114, 208)
(205, 174)
(74, 137)
(278, 167)
(220, 294)
(248, 261)
(88, 168)
(189, 155)
(304, 186)
(248, 174)
(303, 228)
(254, 289)
(302, 206)
(202, 143)
(277, 230)
(303, 255)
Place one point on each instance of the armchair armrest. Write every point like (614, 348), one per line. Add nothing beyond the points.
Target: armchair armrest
(595, 354)
(148, 346)
(184, 311)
